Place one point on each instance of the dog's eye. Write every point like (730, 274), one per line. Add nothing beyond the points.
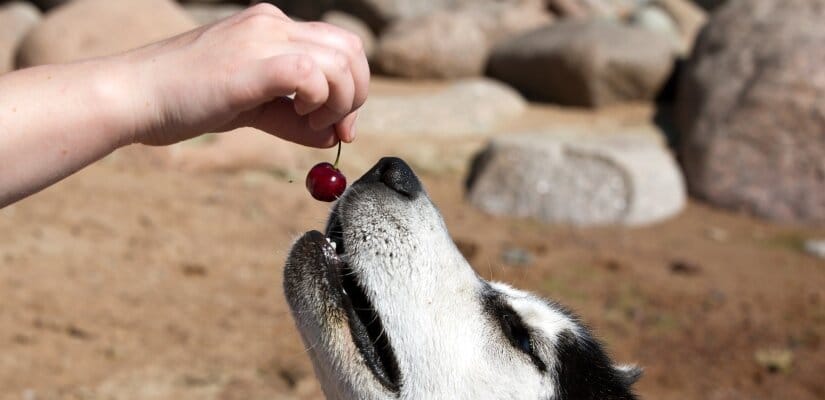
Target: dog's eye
(513, 328)
(517, 333)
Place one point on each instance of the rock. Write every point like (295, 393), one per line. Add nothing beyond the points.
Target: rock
(473, 106)
(656, 20)
(354, 25)
(207, 13)
(774, 360)
(516, 257)
(584, 63)
(453, 43)
(602, 9)
(751, 112)
(625, 178)
(379, 14)
(66, 33)
(815, 248)
(684, 267)
(16, 19)
(689, 19)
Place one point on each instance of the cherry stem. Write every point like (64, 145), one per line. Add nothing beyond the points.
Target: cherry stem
(337, 156)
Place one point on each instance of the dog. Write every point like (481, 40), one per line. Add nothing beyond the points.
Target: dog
(388, 308)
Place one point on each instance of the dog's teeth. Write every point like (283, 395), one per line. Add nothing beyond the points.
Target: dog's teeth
(333, 244)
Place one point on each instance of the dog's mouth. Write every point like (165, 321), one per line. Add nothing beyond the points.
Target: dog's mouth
(364, 322)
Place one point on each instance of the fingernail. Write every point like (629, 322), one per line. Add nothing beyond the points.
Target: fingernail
(352, 127)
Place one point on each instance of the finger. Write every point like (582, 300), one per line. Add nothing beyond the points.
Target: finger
(336, 68)
(324, 34)
(282, 76)
(345, 129)
(279, 118)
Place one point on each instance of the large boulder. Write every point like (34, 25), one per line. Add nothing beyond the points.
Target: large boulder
(473, 106)
(751, 109)
(453, 43)
(611, 178)
(585, 63)
(16, 19)
(88, 28)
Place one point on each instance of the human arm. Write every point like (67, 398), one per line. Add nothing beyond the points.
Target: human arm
(56, 119)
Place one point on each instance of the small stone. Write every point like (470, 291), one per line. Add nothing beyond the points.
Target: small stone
(516, 257)
(684, 267)
(815, 247)
(656, 20)
(774, 360)
(717, 234)
(194, 270)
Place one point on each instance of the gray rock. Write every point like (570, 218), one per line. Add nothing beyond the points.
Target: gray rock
(208, 12)
(602, 9)
(453, 43)
(625, 178)
(815, 247)
(354, 25)
(16, 19)
(653, 18)
(516, 257)
(67, 33)
(751, 112)
(585, 63)
(474, 106)
(689, 20)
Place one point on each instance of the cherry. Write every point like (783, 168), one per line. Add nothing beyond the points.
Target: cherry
(325, 182)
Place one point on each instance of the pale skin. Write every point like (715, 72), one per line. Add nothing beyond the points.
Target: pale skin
(57, 119)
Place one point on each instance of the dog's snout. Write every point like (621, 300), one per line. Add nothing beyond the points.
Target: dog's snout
(395, 174)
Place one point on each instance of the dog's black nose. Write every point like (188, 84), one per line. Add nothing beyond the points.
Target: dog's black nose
(394, 173)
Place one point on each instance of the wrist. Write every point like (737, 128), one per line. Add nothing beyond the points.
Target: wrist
(114, 94)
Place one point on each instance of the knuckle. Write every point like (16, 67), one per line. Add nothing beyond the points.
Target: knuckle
(354, 43)
(264, 8)
(304, 66)
(340, 61)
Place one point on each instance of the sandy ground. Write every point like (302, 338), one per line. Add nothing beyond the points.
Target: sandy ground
(139, 279)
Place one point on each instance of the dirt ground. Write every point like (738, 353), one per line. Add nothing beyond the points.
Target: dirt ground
(137, 279)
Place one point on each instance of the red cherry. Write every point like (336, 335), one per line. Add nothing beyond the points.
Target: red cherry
(325, 182)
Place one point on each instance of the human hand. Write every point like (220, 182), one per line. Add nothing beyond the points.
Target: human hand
(238, 72)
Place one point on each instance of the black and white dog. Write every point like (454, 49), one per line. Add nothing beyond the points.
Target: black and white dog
(389, 309)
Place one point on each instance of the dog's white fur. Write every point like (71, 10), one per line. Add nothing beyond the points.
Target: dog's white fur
(431, 304)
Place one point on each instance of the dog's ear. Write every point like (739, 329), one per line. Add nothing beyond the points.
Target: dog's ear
(628, 373)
